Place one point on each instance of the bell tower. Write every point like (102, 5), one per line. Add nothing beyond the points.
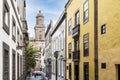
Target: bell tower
(39, 27)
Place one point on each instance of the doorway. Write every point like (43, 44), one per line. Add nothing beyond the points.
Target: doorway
(76, 71)
(118, 72)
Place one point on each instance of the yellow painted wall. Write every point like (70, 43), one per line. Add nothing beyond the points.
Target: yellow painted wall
(87, 28)
(109, 43)
(71, 10)
(84, 28)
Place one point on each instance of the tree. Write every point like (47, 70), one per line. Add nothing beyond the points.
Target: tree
(31, 62)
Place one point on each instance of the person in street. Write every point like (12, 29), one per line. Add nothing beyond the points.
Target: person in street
(28, 73)
(35, 75)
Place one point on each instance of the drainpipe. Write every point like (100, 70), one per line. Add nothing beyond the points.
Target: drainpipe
(96, 38)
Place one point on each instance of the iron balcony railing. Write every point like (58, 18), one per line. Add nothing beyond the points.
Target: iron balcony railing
(76, 55)
(75, 30)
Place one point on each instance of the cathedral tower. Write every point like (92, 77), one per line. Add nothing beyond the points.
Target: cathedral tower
(39, 40)
(39, 27)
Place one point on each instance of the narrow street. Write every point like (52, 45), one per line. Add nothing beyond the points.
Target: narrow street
(59, 39)
(41, 76)
(35, 78)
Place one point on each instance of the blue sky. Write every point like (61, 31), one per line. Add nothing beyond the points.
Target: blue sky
(51, 10)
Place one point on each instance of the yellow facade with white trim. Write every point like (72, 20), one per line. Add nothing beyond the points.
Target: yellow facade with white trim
(72, 7)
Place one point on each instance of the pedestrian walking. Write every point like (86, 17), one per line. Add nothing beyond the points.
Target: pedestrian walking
(35, 75)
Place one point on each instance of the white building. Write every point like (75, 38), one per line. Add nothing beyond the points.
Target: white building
(13, 29)
(42, 65)
(58, 45)
(48, 50)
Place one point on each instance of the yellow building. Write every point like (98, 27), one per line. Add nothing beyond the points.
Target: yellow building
(80, 40)
(93, 40)
(109, 39)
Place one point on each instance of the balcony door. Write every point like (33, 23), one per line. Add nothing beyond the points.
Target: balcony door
(76, 71)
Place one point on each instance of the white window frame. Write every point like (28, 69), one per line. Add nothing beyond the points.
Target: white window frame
(6, 15)
(69, 26)
(77, 18)
(86, 11)
(62, 40)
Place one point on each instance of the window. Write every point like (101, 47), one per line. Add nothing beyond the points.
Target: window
(18, 4)
(76, 18)
(49, 37)
(69, 50)
(52, 67)
(69, 26)
(86, 45)
(18, 37)
(13, 66)
(21, 64)
(59, 67)
(18, 66)
(62, 39)
(40, 37)
(70, 72)
(57, 48)
(5, 61)
(103, 29)
(59, 42)
(6, 17)
(76, 43)
(13, 30)
(85, 12)
(86, 71)
(54, 46)
(103, 65)
(62, 68)
(67, 67)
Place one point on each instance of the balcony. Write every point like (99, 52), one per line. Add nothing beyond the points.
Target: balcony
(6, 28)
(49, 61)
(75, 31)
(24, 31)
(76, 56)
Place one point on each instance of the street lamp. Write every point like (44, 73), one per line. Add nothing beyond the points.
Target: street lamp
(56, 56)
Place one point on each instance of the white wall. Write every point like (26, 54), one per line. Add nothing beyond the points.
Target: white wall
(58, 44)
(1, 60)
(4, 37)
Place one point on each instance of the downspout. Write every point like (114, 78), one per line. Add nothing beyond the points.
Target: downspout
(96, 38)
